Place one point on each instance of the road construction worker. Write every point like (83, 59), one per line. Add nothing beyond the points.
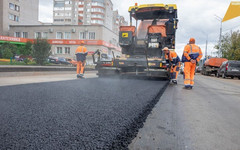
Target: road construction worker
(191, 55)
(173, 63)
(81, 53)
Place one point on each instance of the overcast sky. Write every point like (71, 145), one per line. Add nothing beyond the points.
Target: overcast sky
(196, 19)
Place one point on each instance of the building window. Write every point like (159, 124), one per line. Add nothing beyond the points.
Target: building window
(68, 20)
(11, 6)
(59, 50)
(97, 21)
(37, 35)
(58, 8)
(91, 35)
(67, 35)
(68, 14)
(68, 8)
(59, 14)
(82, 35)
(17, 8)
(59, 35)
(11, 17)
(68, 2)
(97, 10)
(97, 16)
(16, 18)
(45, 35)
(58, 20)
(80, 8)
(81, 3)
(59, 4)
(17, 34)
(67, 50)
(25, 34)
(97, 4)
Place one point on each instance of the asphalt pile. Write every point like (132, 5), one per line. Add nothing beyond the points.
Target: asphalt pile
(77, 114)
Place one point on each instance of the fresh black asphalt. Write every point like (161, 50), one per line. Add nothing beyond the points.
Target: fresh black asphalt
(80, 114)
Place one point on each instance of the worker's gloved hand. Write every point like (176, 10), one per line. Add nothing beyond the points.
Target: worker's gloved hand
(193, 61)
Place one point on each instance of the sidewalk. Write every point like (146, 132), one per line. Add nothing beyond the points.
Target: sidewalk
(15, 78)
(20, 68)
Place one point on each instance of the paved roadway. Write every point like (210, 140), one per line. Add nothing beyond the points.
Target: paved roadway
(81, 114)
(205, 118)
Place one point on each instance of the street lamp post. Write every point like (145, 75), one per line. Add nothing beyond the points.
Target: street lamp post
(206, 44)
(220, 53)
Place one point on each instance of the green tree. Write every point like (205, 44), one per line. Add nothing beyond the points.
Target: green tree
(230, 46)
(26, 50)
(13, 48)
(41, 50)
(7, 53)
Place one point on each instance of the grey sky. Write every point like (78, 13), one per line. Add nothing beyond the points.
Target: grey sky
(196, 19)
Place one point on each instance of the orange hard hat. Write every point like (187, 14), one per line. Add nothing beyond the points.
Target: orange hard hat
(165, 49)
(191, 40)
(82, 42)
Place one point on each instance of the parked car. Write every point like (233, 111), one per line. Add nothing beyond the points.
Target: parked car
(63, 61)
(229, 68)
(53, 60)
(72, 61)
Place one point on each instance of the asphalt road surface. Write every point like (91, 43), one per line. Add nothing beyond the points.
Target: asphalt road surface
(204, 118)
(75, 114)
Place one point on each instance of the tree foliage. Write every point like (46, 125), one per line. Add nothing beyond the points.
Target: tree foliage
(41, 51)
(7, 49)
(7, 53)
(230, 46)
(26, 50)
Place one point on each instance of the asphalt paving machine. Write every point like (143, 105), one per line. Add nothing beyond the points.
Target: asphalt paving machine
(142, 44)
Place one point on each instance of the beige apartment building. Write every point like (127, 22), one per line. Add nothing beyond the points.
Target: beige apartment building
(18, 12)
(87, 12)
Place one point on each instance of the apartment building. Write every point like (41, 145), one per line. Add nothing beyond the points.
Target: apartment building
(118, 21)
(86, 12)
(17, 12)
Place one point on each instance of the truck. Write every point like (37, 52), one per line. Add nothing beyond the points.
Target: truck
(212, 65)
(142, 43)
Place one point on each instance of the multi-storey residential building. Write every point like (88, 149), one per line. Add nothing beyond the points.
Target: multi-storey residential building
(83, 12)
(17, 12)
(118, 21)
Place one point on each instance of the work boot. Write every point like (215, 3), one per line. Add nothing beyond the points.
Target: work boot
(174, 81)
(81, 76)
(187, 87)
(78, 75)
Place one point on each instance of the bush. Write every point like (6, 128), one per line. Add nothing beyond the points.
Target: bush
(13, 48)
(7, 53)
(41, 51)
(26, 60)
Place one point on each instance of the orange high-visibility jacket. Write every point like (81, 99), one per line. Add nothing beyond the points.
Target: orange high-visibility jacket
(81, 53)
(172, 57)
(192, 51)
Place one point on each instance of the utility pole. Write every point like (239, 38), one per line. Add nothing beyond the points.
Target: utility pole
(220, 52)
(206, 47)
